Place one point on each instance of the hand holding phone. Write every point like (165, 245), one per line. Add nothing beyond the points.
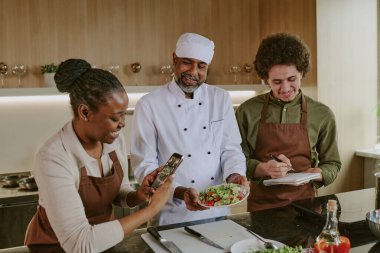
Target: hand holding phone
(168, 169)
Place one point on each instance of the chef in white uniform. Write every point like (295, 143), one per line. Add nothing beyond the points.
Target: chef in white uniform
(194, 119)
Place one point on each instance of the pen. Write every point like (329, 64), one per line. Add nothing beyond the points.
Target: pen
(278, 160)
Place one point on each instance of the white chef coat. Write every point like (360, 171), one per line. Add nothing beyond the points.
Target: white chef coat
(203, 129)
(57, 173)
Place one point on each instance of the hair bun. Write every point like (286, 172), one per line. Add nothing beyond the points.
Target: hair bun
(68, 72)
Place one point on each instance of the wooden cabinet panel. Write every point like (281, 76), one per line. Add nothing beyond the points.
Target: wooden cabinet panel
(122, 32)
(293, 16)
(14, 222)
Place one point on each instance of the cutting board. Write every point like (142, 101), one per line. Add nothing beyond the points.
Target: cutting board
(225, 233)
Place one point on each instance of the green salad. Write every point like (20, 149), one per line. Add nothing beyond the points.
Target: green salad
(285, 249)
(222, 195)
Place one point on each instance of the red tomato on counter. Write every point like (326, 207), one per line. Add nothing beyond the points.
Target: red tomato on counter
(343, 247)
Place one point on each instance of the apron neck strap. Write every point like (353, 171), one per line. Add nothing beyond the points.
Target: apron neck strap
(303, 109)
(113, 156)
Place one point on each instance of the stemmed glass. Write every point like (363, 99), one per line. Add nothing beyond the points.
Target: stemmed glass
(248, 70)
(3, 73)
(114, 68)
(166, 71)
(235, 69)
(136, 68)
(19, 70)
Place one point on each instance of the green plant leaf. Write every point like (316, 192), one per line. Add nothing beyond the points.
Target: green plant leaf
(49, 68)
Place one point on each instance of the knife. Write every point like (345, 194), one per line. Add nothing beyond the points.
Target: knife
(203, 238)
(169, 245)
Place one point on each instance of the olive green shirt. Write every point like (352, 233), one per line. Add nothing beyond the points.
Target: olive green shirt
(321, 127)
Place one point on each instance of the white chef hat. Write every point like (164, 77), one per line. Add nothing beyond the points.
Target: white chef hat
(191, 45)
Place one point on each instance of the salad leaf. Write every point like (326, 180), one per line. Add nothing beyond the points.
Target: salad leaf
(285, 249)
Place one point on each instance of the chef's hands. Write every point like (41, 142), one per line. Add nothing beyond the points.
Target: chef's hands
(273, 168)
(238, 179)
(190, 197)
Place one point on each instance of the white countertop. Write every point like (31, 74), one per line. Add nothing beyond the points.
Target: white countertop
(369, 153)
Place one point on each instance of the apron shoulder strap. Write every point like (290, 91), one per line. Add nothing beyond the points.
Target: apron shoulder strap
(116, 163)
(113, 156)
(303, 110)
(83, 172)
(265, 108)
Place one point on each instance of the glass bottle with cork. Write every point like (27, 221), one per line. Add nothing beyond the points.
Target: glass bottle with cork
(330, 240)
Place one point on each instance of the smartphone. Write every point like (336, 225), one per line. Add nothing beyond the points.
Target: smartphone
(169, 168)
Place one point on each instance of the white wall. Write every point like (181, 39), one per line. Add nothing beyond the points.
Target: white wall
(31, 116)
(347, 79)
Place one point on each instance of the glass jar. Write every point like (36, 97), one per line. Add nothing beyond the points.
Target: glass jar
(330, 240)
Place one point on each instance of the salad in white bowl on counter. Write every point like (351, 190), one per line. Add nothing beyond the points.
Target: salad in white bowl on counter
(253, 246)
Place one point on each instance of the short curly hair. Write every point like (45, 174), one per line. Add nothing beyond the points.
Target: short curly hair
(282, 48)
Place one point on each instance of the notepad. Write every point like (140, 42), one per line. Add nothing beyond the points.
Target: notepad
(293, 179)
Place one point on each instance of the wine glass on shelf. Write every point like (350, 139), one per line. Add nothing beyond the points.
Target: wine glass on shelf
(114, 68)
(19, 70)
(248, 68)
(235, 69)
(166, 71)
(3, 73)
(135, 68)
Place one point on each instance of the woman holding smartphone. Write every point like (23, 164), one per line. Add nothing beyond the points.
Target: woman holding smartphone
(82, 170)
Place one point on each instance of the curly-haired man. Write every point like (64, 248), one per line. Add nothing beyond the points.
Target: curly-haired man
(284, 129)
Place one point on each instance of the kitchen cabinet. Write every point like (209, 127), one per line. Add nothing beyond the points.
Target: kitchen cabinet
(15, 215)
(371, 165)
(123, 37)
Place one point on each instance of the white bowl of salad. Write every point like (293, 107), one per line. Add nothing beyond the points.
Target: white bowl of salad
(255, 246)
(223, 195)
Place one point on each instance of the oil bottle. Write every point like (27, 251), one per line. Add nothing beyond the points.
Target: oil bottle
(329, 240)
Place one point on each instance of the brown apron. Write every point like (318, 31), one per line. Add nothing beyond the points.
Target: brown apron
(97, 195)
(291, 140)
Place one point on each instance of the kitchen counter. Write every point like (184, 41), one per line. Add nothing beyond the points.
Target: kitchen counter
(15, 195)
(10, 195)
(369, 153)
(371, 157)
(296, 224)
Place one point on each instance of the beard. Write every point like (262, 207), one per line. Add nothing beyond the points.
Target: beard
(184, 87)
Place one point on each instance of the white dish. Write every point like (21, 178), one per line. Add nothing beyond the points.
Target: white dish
(250, 245)
(242, 189)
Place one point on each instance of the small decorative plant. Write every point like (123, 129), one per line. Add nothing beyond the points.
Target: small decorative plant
(49, 68)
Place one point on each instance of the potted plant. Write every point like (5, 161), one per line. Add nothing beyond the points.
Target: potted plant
(48, 71)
